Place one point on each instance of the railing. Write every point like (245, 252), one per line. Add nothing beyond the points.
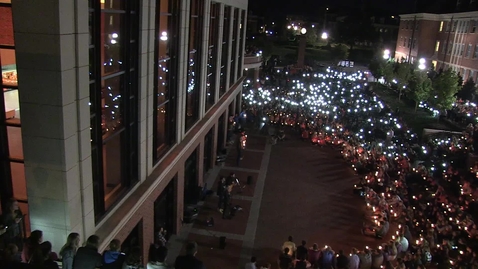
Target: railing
(252, 60)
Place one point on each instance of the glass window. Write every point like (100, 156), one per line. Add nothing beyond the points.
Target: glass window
(441, 26)
(15, 145)
(212, 67)
(223, 85)
(112, 105)
(437, 46)
(113, 52)
(468, 51)
(193, 67)
(167, 35)
(235, 21)
(6, 25)
(473, 26)
(475, 55)
(9, 67)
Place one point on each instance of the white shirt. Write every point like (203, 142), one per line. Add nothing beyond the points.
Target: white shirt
(250, 265)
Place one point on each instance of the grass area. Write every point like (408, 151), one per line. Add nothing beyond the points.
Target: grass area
(418, 120)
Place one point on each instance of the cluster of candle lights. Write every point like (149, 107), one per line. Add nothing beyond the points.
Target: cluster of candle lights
(338, 97)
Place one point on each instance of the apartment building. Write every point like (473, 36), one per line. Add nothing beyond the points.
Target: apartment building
(444, 40)
(115, 110)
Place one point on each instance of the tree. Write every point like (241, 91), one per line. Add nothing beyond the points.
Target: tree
(388, 72)
(377, 66)
(340, 52)
(467, 92)
(403, 74)
(356, 28)
(445, 87)
(312, 37)
(420, 87)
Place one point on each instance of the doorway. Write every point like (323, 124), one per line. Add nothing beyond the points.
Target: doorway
(208, 150)
(191, 184)
(221, 129)
(165, 209)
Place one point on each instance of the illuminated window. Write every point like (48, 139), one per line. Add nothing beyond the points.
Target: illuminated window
(114, 31)
(441, 26)
(437, 46)
(212, 67)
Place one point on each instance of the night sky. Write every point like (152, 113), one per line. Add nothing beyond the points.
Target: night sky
(270, 8)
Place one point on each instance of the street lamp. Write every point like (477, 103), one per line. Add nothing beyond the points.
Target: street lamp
(422, 64)
(303, 31)
(386, 54)
(324, 35)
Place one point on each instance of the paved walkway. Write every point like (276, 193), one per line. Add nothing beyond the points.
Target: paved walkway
(297, 190)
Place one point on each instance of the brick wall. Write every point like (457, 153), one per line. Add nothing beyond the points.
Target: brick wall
(6, 26)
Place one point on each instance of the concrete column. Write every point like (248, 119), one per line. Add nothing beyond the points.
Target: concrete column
(52, 62)
(239, 100)
(200, 163)
(146, 87)
(257, 81)
(204, 49)
(237, 45)
(214, 143)
(220, 19)
(244, 35)
(229, 48)
(179, 199)
(183, 56)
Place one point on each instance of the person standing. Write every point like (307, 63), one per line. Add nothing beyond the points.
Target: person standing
(221, 186)
(290, 245)
(302, 251)
(226, 200)
(87, 257)
(12, 222)
(189, 261)
(68, 251)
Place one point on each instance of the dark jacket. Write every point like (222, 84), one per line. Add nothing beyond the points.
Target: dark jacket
(188, 262)
(113, 260)
(87, 258)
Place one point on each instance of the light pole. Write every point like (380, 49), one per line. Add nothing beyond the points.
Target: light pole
(422, 64)
(302, 45)
(386, 54)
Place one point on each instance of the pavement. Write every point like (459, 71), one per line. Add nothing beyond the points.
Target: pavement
(298, 189)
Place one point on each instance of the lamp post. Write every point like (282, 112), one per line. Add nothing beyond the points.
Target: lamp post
(302, 45)
(324, 36)
(386, 54)
(422, 64)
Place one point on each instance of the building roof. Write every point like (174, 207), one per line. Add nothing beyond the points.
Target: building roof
(439, 17)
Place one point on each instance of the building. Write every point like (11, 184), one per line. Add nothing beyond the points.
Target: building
(124, 106)
(386, 28)
(444, 40)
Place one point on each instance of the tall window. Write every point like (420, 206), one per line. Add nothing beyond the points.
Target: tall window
(194, 65)
(12, 169)
(234, 40)
(240, 55)
(212, 67)
(437, 46)
(468, 51)
(223, 86)
(114, 28)
(165, 86)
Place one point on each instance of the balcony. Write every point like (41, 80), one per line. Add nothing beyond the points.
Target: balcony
(252, 61)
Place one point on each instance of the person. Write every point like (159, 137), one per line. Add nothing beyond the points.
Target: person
(12, 224)
(10, 258)
(157, 258)
(285, 260)
(31, 244)
(354, 259)
(290, 245)
(240, 146)
(189, 261)
(342, 260)
(302, 250)
(221, 186)
(226, 214)
(68, 251)
(41, 257)
(313, 255)
(87, 257)
(251, 264)
(113, 258)
(327, 256)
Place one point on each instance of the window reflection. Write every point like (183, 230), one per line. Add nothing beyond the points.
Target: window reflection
(224, 61)
(163, 79)
(212, 56)
(12, 105)
(112, 168)
(112, 44)
(192, 95)
(112, 105)
(15, 146)
(235, 20)
(240, 55)
(162, 126)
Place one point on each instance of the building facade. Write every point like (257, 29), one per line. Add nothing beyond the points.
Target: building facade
(444, 40)
(114, 111)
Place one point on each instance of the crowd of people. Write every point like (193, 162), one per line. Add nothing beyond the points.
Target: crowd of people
(419, 192)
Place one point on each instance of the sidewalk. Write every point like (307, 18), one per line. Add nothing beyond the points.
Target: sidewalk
(240, 231)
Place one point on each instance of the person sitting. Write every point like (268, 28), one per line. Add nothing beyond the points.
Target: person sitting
(378, 231)
(113, 258)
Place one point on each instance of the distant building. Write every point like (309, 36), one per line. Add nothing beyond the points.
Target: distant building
(255, 24)
(443, 40)
(386, 28)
